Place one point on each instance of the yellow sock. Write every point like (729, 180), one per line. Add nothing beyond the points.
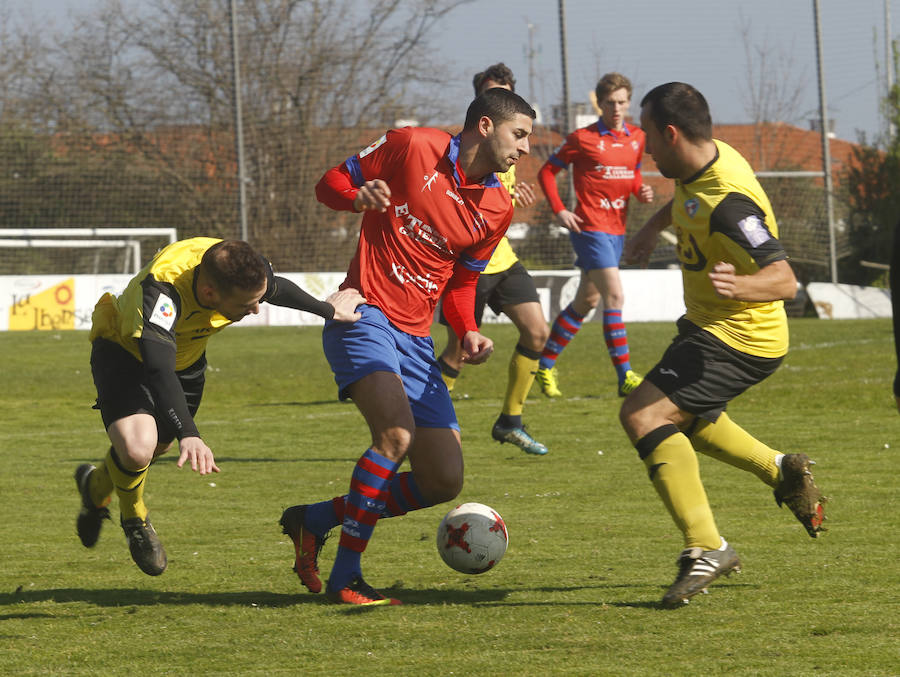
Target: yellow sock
(726, 441)
(675, 473)
(100, 486)
(129, 485)
(522, 367)
(449, 380)
(448, 373)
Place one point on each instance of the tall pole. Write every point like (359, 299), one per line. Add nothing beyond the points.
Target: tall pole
(531, 29)
(889, 64)
(826, 147)
(564, 61)
(238, 118)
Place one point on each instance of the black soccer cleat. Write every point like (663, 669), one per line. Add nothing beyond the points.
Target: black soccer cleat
(90, 517)
(146, 549)
(697, 568)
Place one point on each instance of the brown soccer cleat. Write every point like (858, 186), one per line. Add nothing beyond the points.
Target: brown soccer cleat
(799, 492)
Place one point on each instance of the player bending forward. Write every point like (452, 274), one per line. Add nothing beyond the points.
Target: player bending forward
(434, 212)
(148, 358)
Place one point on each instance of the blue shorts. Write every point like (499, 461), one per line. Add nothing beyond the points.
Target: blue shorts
(595, 249)
(372, 343)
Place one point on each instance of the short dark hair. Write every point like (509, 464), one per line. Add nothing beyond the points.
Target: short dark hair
(234, 264)
(682, 106)
(499, 73)
(499, 105)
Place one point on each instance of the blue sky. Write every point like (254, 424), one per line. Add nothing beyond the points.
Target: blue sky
(656, 41)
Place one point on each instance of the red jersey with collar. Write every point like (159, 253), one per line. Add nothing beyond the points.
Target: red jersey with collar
(437, 223)
(606, 171)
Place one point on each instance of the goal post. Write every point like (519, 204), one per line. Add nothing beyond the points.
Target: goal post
(30, 251)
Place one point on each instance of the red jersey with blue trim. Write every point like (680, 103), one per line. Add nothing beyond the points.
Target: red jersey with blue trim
(437, 222)
(606, 170)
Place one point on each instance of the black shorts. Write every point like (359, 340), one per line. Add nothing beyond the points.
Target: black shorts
(701, 374)
(122, 388)
(509, 287)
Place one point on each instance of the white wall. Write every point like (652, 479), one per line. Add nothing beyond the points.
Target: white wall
(55, 302)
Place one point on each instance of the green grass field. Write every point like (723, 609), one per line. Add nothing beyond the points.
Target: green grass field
(591, 546)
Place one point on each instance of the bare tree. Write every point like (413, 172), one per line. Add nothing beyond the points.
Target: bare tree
(149, 84)
(773, 92)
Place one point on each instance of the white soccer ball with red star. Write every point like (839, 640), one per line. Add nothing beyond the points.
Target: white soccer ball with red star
(472, 538)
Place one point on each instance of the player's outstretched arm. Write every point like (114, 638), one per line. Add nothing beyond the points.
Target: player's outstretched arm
(159, 366)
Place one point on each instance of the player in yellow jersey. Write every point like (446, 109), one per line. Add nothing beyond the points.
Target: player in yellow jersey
(733, 335)
(506, 286)
(148, 359)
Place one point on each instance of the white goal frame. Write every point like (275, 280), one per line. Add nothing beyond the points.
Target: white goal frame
(50, 238)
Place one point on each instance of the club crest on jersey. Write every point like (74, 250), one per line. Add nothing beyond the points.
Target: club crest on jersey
(635, 145)
(163, 314)
(371, 147)
(602, 144)
(691, 206)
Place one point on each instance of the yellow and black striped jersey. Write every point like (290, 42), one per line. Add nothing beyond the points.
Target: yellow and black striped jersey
(504, 256)
(160, 303)
(723, 214)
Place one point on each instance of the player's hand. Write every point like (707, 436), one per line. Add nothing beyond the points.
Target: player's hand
(201, 456)
(476, 347)
(645, 193)
(724, 280)
(345, 302)
(524, 195)
(374, 195)
(637, 249)
(569, 220)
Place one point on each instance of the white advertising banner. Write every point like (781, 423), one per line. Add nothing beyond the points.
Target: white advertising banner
(56, 302)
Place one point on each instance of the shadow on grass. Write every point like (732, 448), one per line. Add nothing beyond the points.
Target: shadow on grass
(125, 597)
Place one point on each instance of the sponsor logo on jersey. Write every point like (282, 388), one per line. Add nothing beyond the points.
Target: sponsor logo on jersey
(371, 147)
(691, 206)
(690, 255)
(602, 145)
(405, 276)
(456, 198)
(163, 314)
(429, 180)
(615, 172)
(754, 230)
(617, 204)
(420, 231)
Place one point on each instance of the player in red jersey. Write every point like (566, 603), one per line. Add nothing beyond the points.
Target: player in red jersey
(607, 158)
(434, 212)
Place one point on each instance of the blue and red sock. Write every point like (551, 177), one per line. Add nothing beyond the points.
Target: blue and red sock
(617, 342)
(564, 328)
(404, 496)
(369, 491)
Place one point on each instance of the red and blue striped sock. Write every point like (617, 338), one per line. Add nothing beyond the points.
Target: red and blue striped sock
(616, 341)
(564, 328)
(369, 490)
(404, 497)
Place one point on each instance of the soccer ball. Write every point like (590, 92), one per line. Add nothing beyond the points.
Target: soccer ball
(472, 538)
